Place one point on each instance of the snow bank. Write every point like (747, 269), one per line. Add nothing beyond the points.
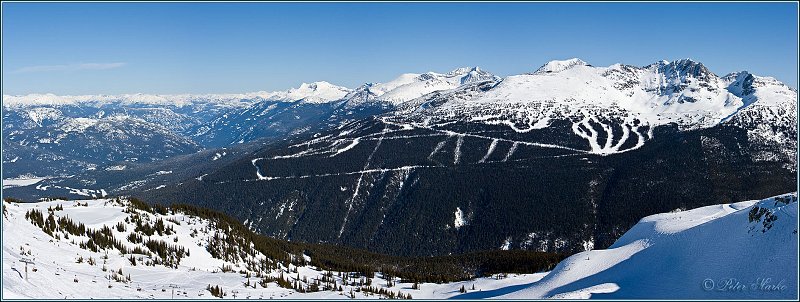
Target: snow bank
(714, 252)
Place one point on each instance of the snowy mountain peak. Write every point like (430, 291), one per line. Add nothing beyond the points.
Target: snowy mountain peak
(683, 68)
(410, 86)
(361, 95)
(316, 85)
(741, 83)
(560, 65)
(684, 81)
(475, 74)
(463, 71)
(316, 92)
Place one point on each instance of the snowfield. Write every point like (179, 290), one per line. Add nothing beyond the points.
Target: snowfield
(57, 268)
(745, 250)
(697, 254)
(594, 99)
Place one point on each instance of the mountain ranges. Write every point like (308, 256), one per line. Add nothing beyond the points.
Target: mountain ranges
(563, 159)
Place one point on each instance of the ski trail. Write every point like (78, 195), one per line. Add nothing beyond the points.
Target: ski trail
(374, 170)
(307, 152)
(489, 152)
(591, 136)
(457, 150)
(609, 147)
(451, 133)
(510, 152)
(399, 179)
(310, 142)
(358, 186)
(366, 137)
(609, 135)
(258, 169)
(348, 147)
(512, 141)
(438, 147)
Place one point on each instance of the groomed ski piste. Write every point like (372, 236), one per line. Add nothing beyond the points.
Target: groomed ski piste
(745, 250)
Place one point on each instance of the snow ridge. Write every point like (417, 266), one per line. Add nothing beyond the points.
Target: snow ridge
(695, 251)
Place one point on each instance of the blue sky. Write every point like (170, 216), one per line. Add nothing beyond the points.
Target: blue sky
(111, 48)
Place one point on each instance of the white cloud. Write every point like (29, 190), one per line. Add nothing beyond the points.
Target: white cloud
(70, 67)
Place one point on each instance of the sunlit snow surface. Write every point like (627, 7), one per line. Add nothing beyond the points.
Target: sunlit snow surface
(684, 255)
(55, 261)
(595, 99)
(670, 255)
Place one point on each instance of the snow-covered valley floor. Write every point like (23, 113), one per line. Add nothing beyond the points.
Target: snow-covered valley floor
(746, 250)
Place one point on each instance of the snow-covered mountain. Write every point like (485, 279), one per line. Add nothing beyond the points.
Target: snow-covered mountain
(615, 102)
(110, 248)
(619, 102)
(317, 92)
(560, 65)
(320, 105)
(410, 85)
(281, 113)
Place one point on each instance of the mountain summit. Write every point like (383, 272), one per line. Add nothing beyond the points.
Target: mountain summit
(315, 92)
(560, 65)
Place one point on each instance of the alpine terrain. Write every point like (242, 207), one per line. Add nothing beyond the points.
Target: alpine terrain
(116, 248)
(569, 181)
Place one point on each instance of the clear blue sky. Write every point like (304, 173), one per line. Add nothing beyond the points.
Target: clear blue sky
(88, 48)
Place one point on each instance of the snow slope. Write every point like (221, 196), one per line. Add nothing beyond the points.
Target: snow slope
(57, 267)
(409, 86)
(745, 250)
(317, 92)
(599, 99)
(715, 252)
(654, 94)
